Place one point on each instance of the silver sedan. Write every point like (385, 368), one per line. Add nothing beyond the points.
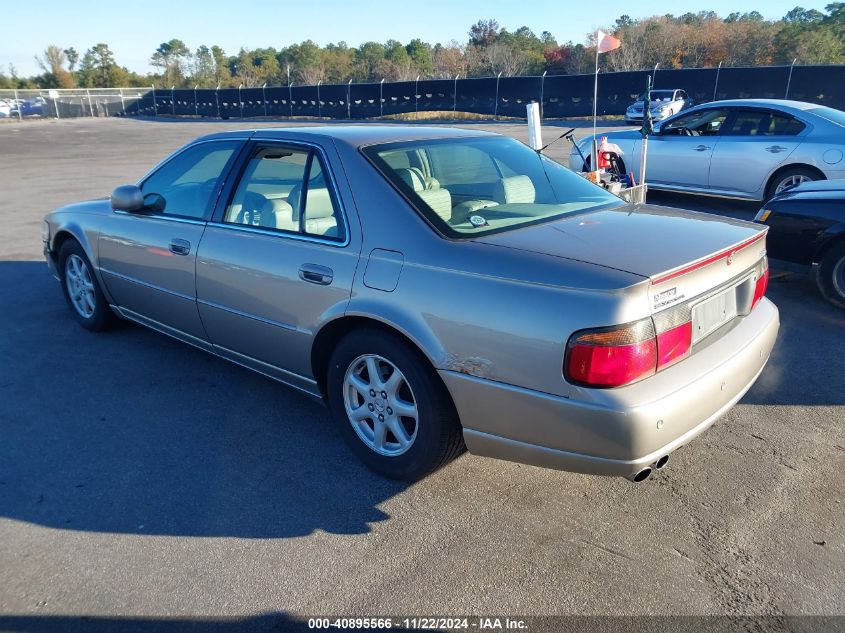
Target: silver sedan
(437, 289)
(748, 149)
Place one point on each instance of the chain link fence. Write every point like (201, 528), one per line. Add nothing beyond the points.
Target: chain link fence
(559, 96)
(74, 103)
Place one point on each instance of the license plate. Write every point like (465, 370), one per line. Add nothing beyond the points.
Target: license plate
(713, 313)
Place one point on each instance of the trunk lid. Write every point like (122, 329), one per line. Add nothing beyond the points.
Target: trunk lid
(684, 254)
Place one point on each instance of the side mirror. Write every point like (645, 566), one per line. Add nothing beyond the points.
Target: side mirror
(127, 198)
(154, 202)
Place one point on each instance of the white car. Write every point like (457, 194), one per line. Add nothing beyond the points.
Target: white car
(750, 149)
(663, 104)
(5, 109)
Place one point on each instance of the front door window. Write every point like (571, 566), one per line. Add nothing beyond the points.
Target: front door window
(183, 186)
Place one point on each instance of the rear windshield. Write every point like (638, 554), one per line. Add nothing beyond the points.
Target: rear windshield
(467, 187)
(832, 115)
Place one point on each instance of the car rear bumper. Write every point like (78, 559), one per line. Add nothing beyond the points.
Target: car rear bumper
(616, 431)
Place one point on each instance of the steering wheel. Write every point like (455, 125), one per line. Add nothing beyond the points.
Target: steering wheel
(685, 131)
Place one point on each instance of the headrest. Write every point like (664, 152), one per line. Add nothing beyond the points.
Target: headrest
(318, 204)
(277, 205)
(516, 189)
(413, 177)
(440, 201)
(276, 214)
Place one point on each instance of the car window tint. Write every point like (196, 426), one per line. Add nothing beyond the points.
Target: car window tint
(762, 123)
(269, 188)
(658, 96)
(785, 126)
(272, 194)
(700, 123)
(473, 186)
(461, 164)
(398, 160)
(187, 181)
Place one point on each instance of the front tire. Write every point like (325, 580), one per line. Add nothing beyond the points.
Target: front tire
(831, 276)
(391, 407)
(81, 289)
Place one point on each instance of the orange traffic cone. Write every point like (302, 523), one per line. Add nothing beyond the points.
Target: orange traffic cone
(603, 162)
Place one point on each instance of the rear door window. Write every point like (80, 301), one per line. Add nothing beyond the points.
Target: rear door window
(286, 189)
(762, 123)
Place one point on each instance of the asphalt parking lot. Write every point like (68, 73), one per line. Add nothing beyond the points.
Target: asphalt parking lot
(143, 479)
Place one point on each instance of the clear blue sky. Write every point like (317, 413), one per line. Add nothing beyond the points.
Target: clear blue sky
(134, 30)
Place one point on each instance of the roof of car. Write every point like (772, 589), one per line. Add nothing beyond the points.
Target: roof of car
(782, 103)
(356, 135)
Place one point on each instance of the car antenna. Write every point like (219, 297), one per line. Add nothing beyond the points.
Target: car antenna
(564, 135)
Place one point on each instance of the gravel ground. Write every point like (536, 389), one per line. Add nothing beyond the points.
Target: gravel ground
(143, 479)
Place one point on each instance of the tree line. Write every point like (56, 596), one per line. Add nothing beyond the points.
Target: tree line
(691, 40)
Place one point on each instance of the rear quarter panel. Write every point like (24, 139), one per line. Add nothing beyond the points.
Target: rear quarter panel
(479, 309)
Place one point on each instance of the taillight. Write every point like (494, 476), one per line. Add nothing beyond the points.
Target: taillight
(762, 284)
(616, 356)
(611, 357)
(673, 345)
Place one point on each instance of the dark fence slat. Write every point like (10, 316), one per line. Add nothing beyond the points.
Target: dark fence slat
(560, 95)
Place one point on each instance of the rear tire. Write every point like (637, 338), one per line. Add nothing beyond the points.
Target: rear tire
(406, 447)
(831, 275)
(81, 289)
(788, 177)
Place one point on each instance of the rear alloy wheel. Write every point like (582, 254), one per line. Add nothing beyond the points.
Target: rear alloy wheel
(380, 405)
(789, 178)
(831, 275)
(81, 289)
(391, 407)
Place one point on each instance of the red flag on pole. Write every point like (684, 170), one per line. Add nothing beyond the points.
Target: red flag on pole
(606, 42)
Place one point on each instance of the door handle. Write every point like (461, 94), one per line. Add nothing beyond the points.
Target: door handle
(701, 148)
(180, 247)
(316, 274)
(775, 149)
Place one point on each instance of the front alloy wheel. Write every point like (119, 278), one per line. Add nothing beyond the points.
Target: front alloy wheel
(80, 286)
(81, 289)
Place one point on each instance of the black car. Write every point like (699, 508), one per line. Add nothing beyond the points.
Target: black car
(807, 230)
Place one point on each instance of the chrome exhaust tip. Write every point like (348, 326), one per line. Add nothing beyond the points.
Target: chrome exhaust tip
(639, 476)
(660, 464)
